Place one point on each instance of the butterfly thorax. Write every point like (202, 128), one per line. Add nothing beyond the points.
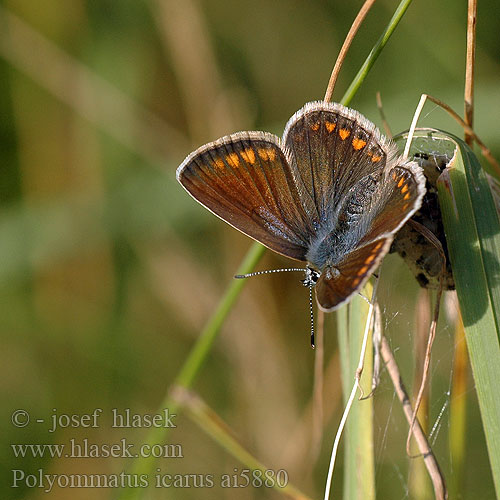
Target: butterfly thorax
(335, 238)
(329, 246)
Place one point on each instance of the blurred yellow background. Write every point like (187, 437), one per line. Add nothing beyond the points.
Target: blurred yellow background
(109, 270)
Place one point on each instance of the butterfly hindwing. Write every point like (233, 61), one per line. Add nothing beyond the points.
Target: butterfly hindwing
(371, 213)
(246, 180)
(336, 286)
(397, 198)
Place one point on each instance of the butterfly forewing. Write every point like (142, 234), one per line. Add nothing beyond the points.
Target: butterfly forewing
(245, 179)
(330, 149)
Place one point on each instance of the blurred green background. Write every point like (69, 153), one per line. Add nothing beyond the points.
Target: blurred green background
(109, 270)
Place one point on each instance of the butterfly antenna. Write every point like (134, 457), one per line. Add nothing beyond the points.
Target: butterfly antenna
(268, 271)
(311, 312)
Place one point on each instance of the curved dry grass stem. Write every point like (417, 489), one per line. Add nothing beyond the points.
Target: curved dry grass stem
(469, 69)
(432, 330)
(484, 150)
(413, 125)
(210, 422)
(430, 461)
(345, 47)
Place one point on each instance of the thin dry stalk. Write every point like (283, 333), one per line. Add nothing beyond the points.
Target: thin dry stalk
(292, 454)
(469, 69)
(422, 322)
(484, 150)
(345, 47)
(432, 330)
(424, 447)
(385, 123)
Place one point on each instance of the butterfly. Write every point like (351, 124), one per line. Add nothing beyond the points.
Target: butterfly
(331, 192)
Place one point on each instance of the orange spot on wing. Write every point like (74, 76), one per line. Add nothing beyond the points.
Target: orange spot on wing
(219, 163)
(344, 133)
(248, 155)
(404, 188)
(315, 126)
(267, 154)
(358, 143)
(330, 126)
(406, 196)
(370, 259)
(401, 181)
(375, 159)
(356, 281)
(405, 206)
(233, 160)
(362, 271)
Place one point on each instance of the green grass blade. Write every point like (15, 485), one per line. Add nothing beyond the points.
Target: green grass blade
(359, 465)
(473, 235)
(375, 52)
(205, 341)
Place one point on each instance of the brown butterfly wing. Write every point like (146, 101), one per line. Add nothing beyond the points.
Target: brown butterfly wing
(336, 286)
(397, 198)
(330, 148)
(246, 180)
